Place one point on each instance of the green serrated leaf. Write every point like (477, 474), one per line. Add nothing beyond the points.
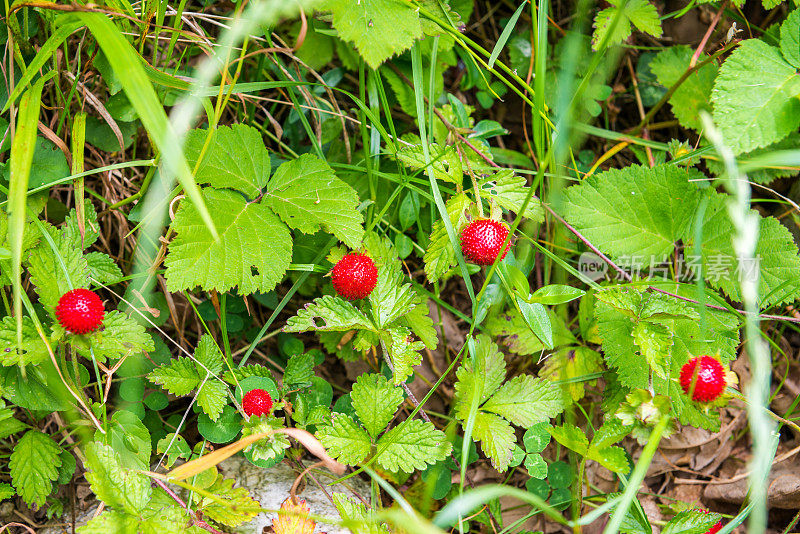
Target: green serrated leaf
(34, 466)
(179, 377)
(231, 506)
(445, 163)
(299, 370)
(654, 341)
(790, 38)
(345, 440)
(509, 191)
(56, 271)
(480, 377)
(752, 115)
(571, 437)
(307, 195)
(418, 320)
(635, 211)
(496, 437)
(102, 268)
(33, 349)
(440, 255)
(241, 258)
(375, 401)
(121, 335)
(412, 446)
(235, 157)
(693, 94)
(328, 313)
(403, 352)
(691, 522)
(640, 13)
(379, 29)
(525, 401)
(122, 489)
(212, 397)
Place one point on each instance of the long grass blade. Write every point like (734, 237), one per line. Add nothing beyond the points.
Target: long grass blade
(22, 149)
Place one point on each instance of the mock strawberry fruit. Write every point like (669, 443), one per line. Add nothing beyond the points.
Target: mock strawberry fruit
(481, 241)
(354, 276)
(80, 311)
(704, 377)
(257, 402)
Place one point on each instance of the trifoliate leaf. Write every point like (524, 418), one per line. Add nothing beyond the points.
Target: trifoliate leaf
(119, 488)
(411, 446)
(692, 95)
(525, 401)
(403, 351)
(536, 466)
(234, 158)
(345, 440)
(327, 313)
(509, 191)
(242, 257)
(34, 466)
(307, 195)
(641, 13)
(752, 115)
(496, 437)
(375, 401)
(379, 29)
(441, 255)
(635, 211)
(33, 349)
(232, 506)
(102, 268)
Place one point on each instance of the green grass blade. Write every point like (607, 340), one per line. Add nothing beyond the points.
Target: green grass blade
(44, 54)
(501, 42)
(142, 96)
(21, 160)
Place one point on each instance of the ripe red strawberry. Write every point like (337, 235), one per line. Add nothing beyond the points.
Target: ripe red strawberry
(257, 402)
(706, 375)
(80, 311)
(481, 241)
(354, 276)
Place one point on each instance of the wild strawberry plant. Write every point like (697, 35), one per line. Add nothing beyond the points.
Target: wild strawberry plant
(421, 243)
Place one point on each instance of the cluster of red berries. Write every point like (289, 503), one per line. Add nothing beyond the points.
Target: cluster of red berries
(355, 275)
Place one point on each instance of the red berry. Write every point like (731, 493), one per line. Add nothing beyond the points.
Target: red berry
(257, 402)
(481, 241)
(80, 311)
(354, 276)
(706, 375)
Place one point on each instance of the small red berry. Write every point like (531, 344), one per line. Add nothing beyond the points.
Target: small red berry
(257, 402)
(481, 241)
(80, 311)
(354, 276)
(716, 528)
(706, 375)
